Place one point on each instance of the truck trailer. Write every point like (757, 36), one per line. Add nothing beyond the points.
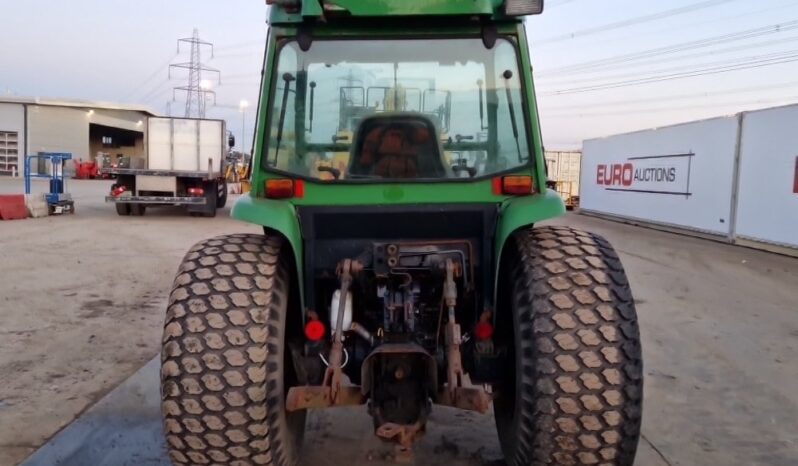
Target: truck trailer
(184, 166)
(563, 173)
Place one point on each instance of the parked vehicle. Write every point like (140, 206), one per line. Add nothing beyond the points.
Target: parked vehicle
(185, 165)
(563, 172)
(401, 267)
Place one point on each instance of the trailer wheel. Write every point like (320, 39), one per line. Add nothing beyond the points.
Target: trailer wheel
(575, 394)
(211, 199)
(225, 365)
(122, 209)
(221, 199)
(137, 210)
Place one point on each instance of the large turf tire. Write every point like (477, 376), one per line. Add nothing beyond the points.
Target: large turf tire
(224, 364)
(575, 394)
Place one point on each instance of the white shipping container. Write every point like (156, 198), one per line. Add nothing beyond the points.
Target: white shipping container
(767, 208)
(675, 176)
(182, 144)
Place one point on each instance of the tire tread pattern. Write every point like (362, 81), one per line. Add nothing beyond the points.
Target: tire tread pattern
(582, 377)
(221, 343)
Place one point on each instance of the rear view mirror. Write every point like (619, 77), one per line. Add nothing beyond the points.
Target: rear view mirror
(231, 141)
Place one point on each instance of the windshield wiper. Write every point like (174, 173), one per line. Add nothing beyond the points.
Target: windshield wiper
(287, 77)
(480, 91)
(312, 105)
(507, 75)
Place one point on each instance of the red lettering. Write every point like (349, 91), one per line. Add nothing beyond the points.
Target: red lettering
(628, 174)
(795, 182)
(617, 174)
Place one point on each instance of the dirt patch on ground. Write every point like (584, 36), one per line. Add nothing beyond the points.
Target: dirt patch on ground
(82, 299)
(81, 303)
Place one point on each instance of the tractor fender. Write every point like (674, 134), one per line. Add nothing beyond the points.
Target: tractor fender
(522, 212)
(279, 216)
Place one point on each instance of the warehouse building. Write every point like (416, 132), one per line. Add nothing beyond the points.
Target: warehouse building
(90, 131)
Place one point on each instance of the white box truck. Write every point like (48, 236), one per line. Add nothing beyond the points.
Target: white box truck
(185, 165)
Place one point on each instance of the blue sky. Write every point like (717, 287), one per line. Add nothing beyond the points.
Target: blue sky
(118, 50)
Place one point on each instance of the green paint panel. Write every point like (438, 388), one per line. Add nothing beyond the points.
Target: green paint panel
(447, 192)
(523, 212)
(279, 216)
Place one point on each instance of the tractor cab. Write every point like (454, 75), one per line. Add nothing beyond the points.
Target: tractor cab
(472, 94)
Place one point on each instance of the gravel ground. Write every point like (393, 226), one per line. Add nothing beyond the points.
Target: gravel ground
(81, 304)
(82, 299)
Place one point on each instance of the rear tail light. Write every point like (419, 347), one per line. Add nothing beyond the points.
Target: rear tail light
(483, 331)
(198, 192)
(118, 191)
(314, 330)
(285, 188)
(515, 185)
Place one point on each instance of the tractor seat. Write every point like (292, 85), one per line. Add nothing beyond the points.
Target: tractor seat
(397, 146)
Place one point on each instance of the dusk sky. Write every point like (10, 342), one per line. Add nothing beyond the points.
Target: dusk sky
(602, 66)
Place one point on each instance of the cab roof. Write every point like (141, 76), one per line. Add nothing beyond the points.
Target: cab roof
(295, 11)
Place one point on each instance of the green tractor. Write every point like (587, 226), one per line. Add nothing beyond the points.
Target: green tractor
(400, 266)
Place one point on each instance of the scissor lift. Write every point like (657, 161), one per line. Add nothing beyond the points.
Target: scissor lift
(58, 201)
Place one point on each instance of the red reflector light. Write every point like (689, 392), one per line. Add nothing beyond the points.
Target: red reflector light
(196, 192)
(314, 330)
(496, 185)
(483, 331)
(516, 185)
(284, 188)
(118, 191)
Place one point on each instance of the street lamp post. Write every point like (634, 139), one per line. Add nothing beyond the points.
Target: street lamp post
(243, 107)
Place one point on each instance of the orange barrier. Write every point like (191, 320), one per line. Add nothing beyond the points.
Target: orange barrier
(12, 207)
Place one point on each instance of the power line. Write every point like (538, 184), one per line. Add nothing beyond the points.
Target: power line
(690, 26)
(222, 56)
(160, 69)
(743, 90)
(691, 67)
(678, 58)
(241, 45)
(782, 100)
(156, 91)
(676, 48)
(229, 77)
(655, 79)
(632, 21)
